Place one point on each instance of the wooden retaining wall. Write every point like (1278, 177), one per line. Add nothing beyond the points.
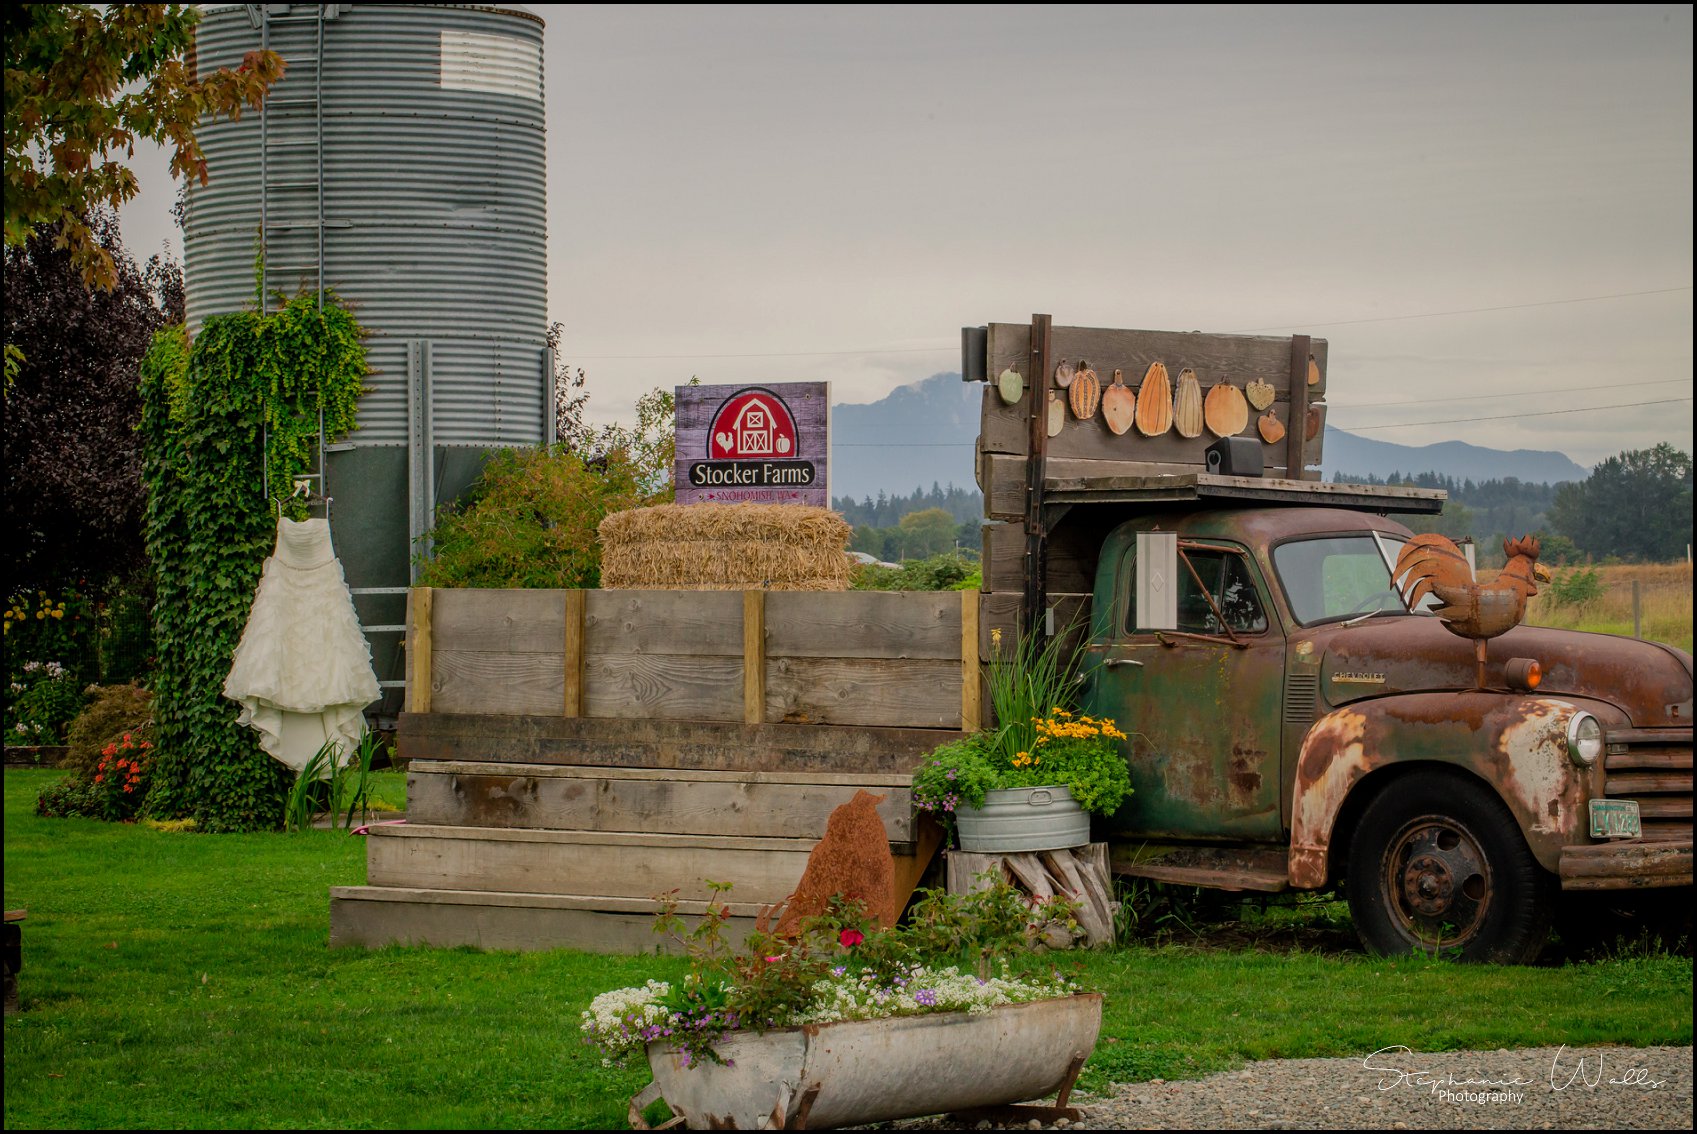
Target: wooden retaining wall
(860, 658)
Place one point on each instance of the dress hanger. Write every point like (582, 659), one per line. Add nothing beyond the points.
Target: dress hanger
(303, 489)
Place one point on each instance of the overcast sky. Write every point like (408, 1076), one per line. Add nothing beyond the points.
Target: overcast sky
(832, 193)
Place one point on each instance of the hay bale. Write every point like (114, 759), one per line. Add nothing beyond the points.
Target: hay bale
(725, 547)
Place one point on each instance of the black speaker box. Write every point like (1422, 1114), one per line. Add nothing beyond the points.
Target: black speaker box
(1235, 456)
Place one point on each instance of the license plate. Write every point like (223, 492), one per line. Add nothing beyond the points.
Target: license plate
(1615, 819)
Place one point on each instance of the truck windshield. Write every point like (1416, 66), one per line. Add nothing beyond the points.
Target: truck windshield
(1338, 577)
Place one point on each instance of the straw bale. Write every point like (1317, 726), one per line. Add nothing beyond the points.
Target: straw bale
(781, 547)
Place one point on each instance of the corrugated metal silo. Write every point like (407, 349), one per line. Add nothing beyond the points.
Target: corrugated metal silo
(400, 163)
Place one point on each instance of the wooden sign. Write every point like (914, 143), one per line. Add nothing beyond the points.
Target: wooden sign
(765, 444)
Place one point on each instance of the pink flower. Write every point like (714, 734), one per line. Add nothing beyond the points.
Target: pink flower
(849, 938)
(774, 960)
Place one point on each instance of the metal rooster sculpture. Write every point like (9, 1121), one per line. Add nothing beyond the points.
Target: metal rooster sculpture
(1470, 608)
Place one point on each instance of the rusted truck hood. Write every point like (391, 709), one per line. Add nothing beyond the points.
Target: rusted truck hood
(1650, 683)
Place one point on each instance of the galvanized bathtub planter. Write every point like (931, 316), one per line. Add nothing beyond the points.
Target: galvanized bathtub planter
(857, 1071)
(1015, 820)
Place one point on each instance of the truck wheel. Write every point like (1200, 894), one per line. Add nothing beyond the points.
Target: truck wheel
(1438, 866)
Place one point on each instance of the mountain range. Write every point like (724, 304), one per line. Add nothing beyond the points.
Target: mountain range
(925, 433)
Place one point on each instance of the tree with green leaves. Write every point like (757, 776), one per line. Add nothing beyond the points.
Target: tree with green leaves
(1636, 506)
(83, 85)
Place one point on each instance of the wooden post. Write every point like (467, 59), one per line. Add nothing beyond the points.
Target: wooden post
(1637, 612)
(971, 707)
(577, 604)
(754, 657)
(1296, 435)
(1035, 536)
(418, 649)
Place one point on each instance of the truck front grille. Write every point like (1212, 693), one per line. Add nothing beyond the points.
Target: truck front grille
(1652, 766)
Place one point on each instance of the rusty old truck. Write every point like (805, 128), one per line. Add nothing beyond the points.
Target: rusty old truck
(1292, 724)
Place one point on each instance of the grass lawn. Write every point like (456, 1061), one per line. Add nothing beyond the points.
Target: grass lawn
(183, 980)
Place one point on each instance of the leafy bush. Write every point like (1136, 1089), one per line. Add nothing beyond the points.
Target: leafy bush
(950, 571)
(531, 521)
(1575, 588)
(70, 798)
(112, 711)
(41, 703)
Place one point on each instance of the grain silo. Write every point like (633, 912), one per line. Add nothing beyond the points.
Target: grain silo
(400, 163)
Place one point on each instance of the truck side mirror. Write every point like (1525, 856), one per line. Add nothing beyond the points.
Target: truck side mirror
(1157, 581)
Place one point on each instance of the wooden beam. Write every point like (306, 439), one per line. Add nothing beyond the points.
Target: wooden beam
(1296, 431)
(754, 657)
(1035, 584)
(577, 605)
(418, 649)
(971, 700)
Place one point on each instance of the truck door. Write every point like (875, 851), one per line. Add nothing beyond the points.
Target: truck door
(1201, 706)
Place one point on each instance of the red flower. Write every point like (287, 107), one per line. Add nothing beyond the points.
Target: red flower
(109, 750)
(129, 787)
(849, 938)
(98, 778)
(123, 763)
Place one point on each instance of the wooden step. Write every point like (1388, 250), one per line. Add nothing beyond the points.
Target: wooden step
(612, 863)
(375, 916)
(793, 805)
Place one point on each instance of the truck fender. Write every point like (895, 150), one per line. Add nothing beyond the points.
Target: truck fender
(1515, 744)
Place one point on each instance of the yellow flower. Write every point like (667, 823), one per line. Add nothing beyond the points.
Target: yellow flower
(995, 635)
(41, 614)
(60, 613)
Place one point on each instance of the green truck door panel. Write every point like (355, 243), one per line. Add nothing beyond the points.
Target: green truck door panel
(1203, 718)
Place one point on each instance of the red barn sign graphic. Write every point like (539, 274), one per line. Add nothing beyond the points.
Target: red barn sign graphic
(762, 444)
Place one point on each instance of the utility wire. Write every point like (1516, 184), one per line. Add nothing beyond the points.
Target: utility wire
(1510, 394)
(1510, 416)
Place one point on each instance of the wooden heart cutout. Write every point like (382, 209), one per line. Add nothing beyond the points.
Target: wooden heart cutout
(1260, 394)
(1272, 430)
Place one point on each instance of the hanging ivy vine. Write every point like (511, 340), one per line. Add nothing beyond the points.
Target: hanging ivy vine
(228, 423)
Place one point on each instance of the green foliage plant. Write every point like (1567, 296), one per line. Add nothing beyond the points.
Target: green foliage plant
(111, 712)
(1575, 588)
(531, 521)
(225, 428)
(41, 703)
(336, 785)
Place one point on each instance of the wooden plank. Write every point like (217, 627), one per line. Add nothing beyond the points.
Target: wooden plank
(863, 624)
(910, 868)
(554, 862)
(753, 656)
(654, 743)
(508, 620)
(673, 687)
(971, 690)
(576, 645)
(871, 781)
(695, 623)
(1000, 611)
(1238, 358)
(918, 693)
(464, 681)
(373, 917)
(1296, 442)
(419, 676)
(654, 801)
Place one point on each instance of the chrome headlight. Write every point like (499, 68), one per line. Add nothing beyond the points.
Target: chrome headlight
(1584, 739)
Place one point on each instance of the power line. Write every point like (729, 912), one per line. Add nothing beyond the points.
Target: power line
(1511, 394)
(1246, 331)
(1511, 416)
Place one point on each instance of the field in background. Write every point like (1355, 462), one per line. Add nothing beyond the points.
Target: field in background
(1664, 602)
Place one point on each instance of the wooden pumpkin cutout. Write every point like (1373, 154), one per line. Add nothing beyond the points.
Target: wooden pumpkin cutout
(1226, 411)
(1313, 371)
(1119, 404)
(1085, 392)
(1187, 405)
(1272, 430)
(1057, 413)
(1155, 402)
(1260, 394)
(1010, 385)
(1313, 429)
(1063, 374)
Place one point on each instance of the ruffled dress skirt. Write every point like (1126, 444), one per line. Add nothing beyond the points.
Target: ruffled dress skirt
(302, 673)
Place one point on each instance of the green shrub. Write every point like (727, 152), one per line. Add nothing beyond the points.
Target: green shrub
(42, 704)
(1575, 588)
(531, 521)
(949, 571)
(70, 798)
(112, 711)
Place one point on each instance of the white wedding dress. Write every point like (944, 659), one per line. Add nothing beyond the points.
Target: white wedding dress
(302, 672)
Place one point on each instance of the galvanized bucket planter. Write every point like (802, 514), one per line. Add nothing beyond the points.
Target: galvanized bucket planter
(859, 1071)
(1023, 819)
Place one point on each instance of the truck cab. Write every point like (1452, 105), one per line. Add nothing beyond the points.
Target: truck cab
(1292, 725)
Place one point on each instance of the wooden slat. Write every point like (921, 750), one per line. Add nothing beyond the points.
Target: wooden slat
(696, 623)
(971, 689)
(419, 676)
(1297, 446)
(513, 621)
(653, 743)
(921, 693)
(576, 646)
(863, 624)
(642, 800)
(675, 687)
(753, 657)
(1000, 611)
(463, 681)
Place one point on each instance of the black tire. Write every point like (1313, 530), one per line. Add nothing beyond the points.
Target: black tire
(1438, 866)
